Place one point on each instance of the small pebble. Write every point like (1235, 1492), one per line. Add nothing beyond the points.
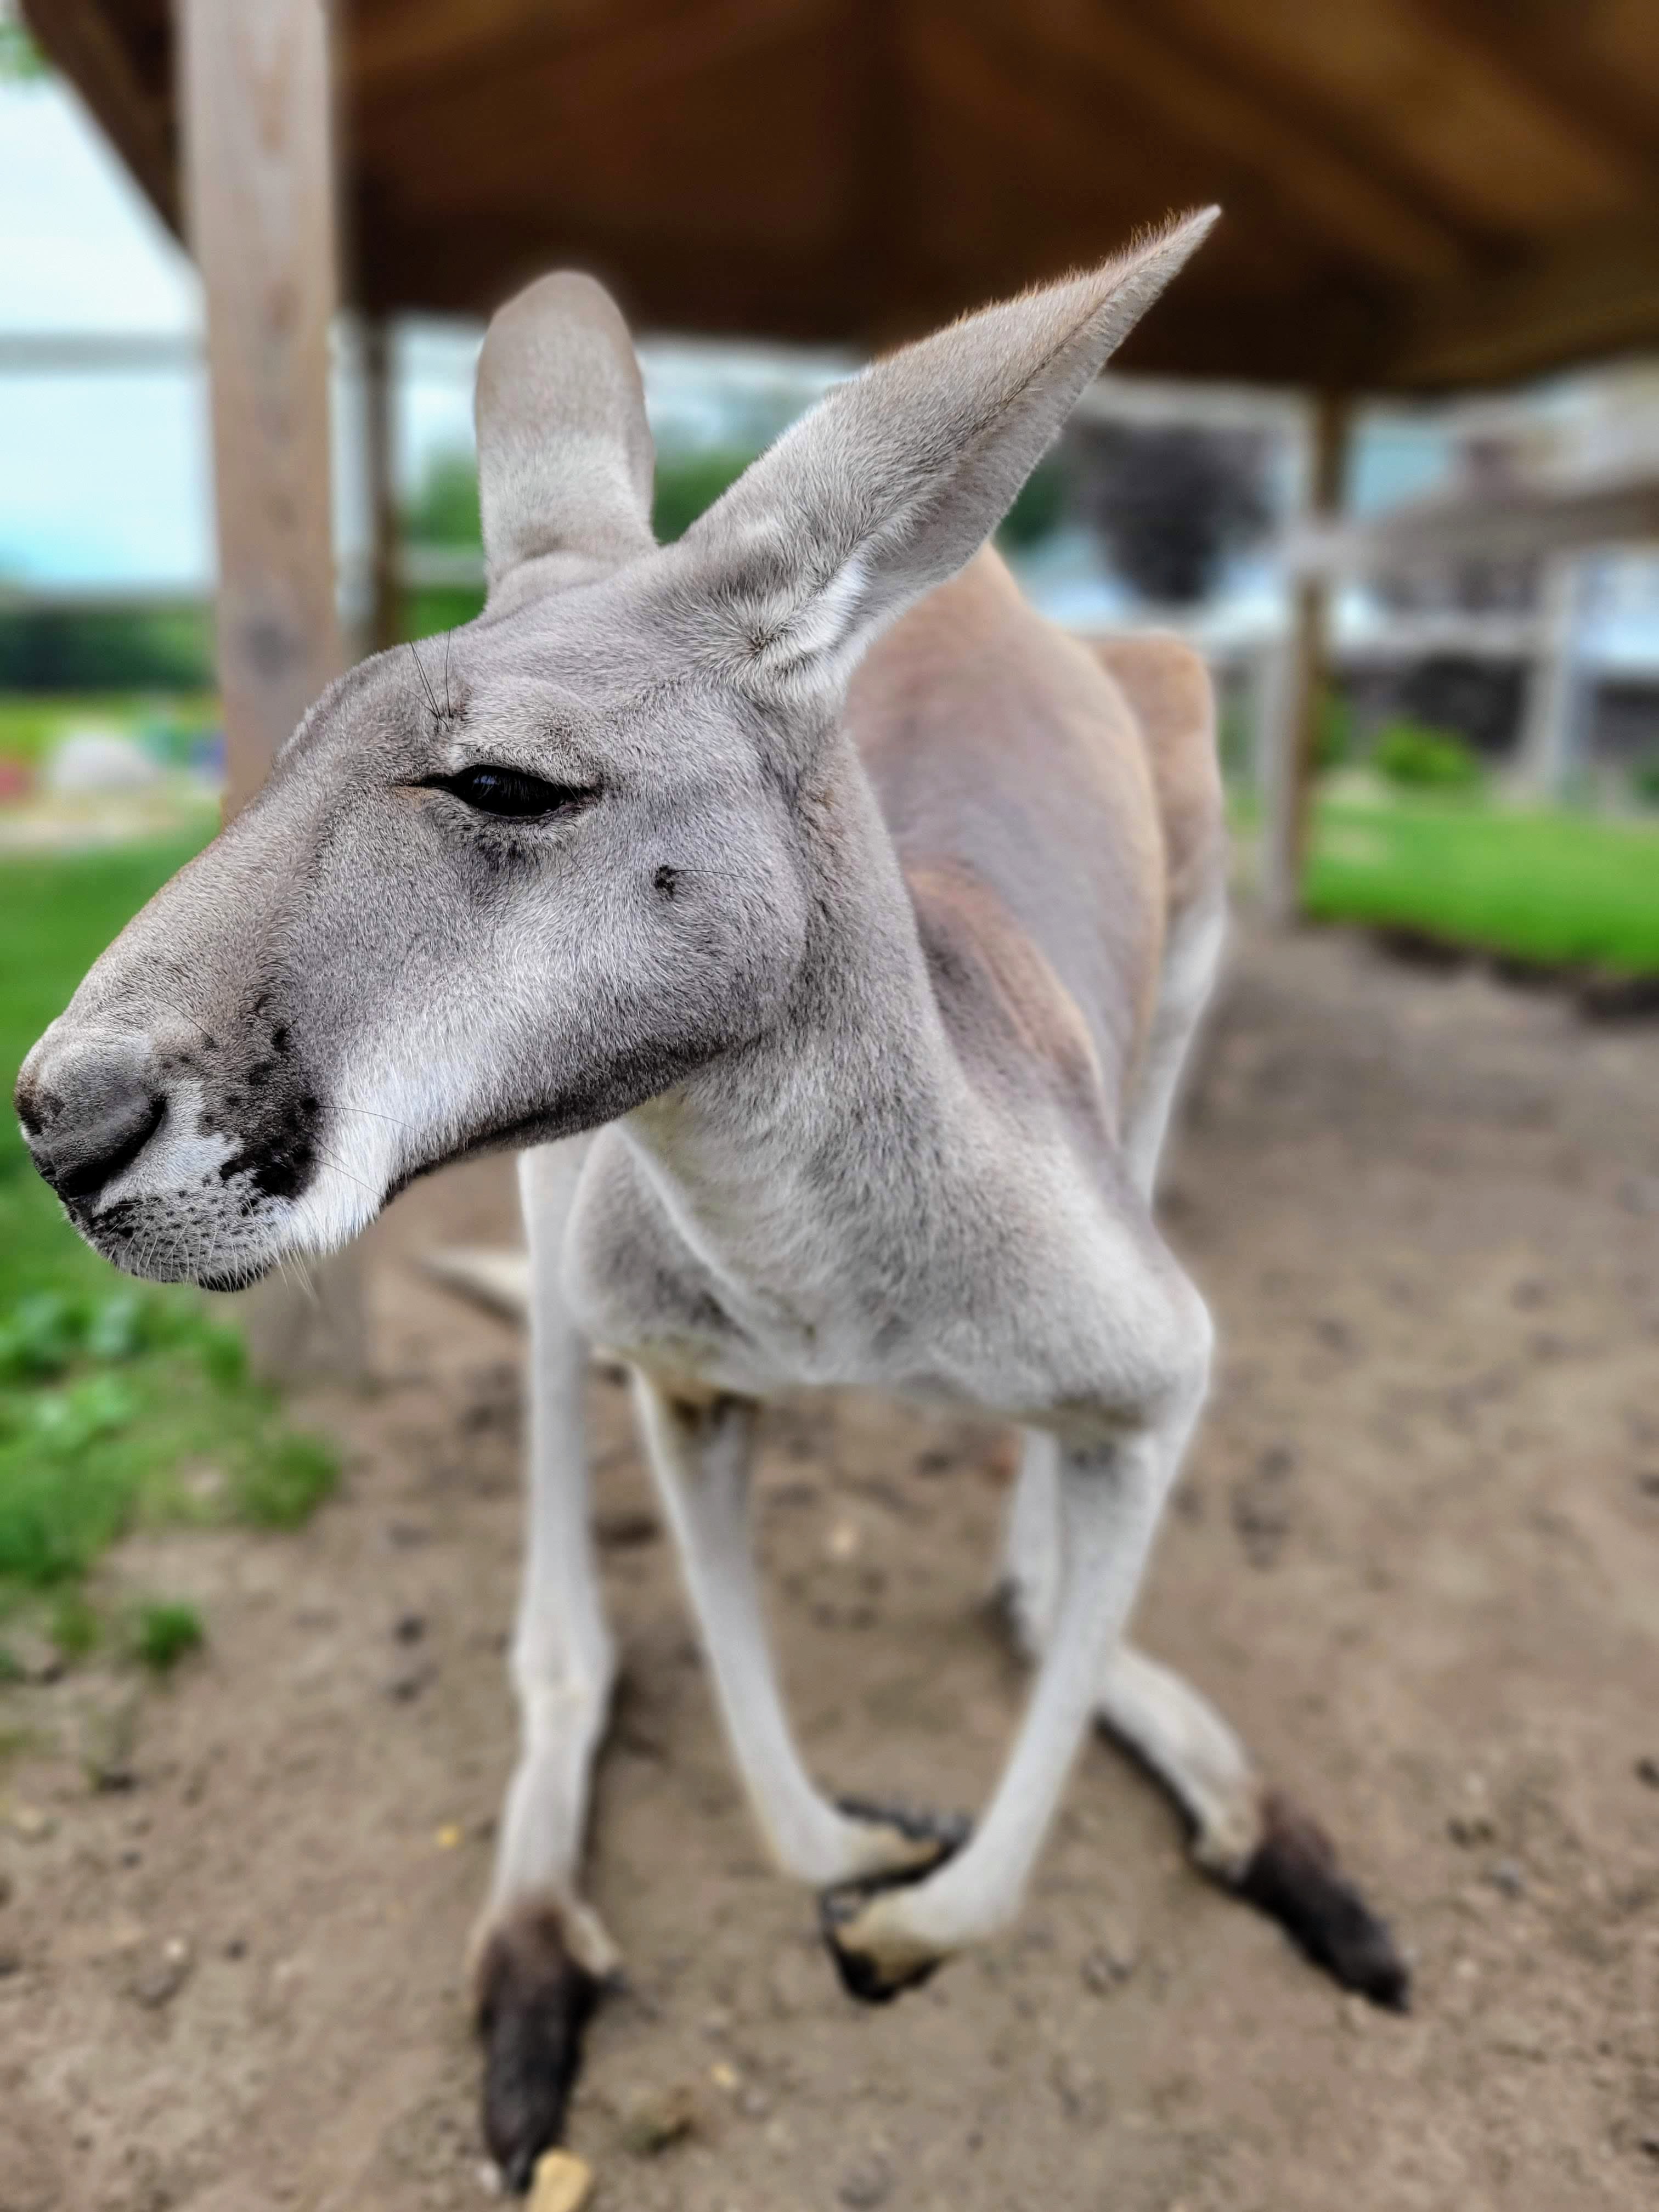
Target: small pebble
(562, 2183)
(29, 1824)
(658, 2121)
(161, 1981)
(1504, 1874)
(11, 1961)
(866, 2184)
(1647, 1771)
(1108, 1966)
(411, 1627)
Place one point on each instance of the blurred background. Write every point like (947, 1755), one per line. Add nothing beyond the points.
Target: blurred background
(1388, 456)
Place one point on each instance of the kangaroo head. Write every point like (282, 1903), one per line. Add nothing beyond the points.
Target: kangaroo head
(512, 882)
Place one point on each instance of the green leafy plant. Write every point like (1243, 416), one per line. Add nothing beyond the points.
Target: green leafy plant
(114, 1397)
(164, 1631)
(1413, 756)
(280, 1488)
(1644, 779)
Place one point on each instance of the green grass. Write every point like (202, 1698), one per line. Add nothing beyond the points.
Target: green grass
(117, 1402)
(164, 1632)
(1549, 887)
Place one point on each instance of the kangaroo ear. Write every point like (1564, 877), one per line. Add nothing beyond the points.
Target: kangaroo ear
(896, 479)
(565, 459)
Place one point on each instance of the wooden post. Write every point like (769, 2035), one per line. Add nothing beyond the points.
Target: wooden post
(1292, 726)
(255, 105)
(1554, 701)
(384, 618)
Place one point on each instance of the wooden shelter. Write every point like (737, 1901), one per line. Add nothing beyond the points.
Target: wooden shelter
(1420, 195)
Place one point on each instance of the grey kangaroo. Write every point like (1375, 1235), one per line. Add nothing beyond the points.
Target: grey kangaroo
(826, 931)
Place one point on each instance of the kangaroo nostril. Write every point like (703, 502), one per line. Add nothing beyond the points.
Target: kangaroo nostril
(101, 1151)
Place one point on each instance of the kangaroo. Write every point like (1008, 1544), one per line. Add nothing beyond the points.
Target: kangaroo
(826, 931)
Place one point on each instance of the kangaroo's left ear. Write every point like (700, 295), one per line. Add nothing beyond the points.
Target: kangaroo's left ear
(565, 459)
(896, 479)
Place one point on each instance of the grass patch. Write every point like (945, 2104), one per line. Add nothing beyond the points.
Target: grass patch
(116, 1401)
(164, 1631)
(1553, 888)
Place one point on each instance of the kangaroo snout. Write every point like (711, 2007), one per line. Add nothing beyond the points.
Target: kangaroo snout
(88, 1109)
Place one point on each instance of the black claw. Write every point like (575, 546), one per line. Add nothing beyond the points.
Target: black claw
(534, 2001)
(1294, 1878)
(861, 1976)
(948, 1831)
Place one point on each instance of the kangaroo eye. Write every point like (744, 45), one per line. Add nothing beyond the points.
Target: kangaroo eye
(510, 792)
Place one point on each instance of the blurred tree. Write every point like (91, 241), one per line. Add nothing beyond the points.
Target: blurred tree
(1168, 504)
(445, 508)
(20, 58)
(688, 483)
(1039, 509)
(106, 649)
(444, 512)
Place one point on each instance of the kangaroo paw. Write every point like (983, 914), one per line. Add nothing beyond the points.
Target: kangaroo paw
(873, 1972)
(1292, 1875)
(533, 2003)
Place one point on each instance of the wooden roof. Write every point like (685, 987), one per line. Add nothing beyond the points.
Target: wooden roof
(1420, 194)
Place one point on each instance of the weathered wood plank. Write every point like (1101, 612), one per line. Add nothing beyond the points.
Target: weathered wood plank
(260, 205)
(260, 201)
(1292, 731)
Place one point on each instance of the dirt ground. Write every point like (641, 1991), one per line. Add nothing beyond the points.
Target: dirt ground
(1415, 1556)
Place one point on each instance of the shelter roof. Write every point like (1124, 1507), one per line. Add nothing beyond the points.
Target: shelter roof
(1421, 194)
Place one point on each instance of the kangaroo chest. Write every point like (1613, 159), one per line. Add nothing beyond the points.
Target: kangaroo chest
(1013, 1290)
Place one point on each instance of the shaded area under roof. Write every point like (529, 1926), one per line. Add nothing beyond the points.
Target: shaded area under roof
(1420, 194)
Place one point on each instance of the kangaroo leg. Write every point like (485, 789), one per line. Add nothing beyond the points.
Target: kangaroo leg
(699, 1451)
(540, 1955)
(1251, 1838)
(1111, 1494)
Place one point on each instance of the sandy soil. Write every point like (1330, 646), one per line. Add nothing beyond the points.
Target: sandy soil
(1415, 1556)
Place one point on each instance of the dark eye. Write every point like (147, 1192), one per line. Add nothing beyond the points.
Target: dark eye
(510, 792)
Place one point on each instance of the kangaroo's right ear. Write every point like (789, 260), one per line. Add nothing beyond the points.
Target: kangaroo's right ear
(565, 459)
(893, 482)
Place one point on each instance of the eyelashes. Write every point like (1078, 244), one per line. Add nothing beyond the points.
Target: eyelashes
(511, 795)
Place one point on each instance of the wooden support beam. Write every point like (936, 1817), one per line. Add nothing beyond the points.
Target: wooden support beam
(1551, 728)
(1593, 294)
(1292, 734)
(384, 625)
(1553, 54)
(1315, 183)
(80, 37)
(255, 100)
(260, 200)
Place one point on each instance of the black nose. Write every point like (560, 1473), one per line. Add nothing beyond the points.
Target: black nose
(88, 1110)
